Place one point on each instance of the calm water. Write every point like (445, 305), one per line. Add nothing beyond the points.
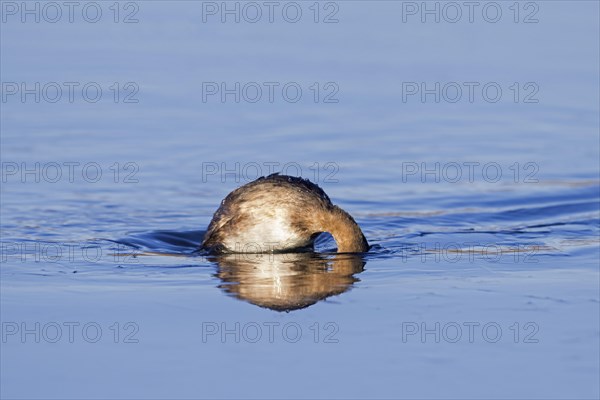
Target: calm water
(483, 212)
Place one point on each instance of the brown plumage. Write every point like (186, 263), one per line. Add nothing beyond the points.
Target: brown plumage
(280, 213)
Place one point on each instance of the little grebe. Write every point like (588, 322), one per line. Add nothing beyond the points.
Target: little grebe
(280, 213)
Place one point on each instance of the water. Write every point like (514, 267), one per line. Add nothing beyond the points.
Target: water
(482, 280)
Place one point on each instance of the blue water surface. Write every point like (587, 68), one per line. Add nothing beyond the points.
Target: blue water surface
(483, 213)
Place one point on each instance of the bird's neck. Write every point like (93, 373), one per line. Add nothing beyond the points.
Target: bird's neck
(345, 231)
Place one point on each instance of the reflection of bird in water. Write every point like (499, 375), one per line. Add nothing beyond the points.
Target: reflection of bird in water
(287, 281)
(280, 213)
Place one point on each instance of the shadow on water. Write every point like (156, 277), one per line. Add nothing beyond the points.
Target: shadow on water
(168, 242)
(280, 281)
(287, 281)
